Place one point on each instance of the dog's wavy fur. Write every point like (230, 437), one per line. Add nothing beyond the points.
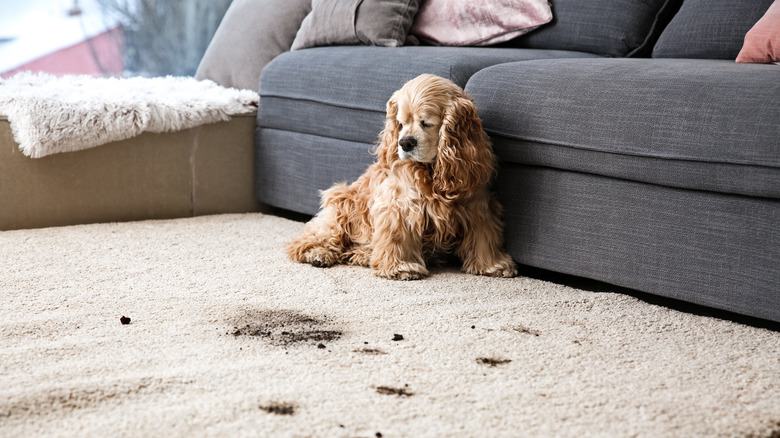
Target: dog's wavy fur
(404, 213)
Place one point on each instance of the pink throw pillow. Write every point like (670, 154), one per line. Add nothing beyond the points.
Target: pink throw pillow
(762, 42)
(478, 22)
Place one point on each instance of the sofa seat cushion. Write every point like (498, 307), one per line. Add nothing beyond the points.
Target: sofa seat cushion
(341, 92)
(697, 124)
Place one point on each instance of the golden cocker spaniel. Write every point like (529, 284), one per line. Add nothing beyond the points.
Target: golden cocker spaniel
(424, 198)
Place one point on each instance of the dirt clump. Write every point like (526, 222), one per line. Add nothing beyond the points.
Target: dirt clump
(492, 362)
(279, 408)
(389, 390)
(527, 331)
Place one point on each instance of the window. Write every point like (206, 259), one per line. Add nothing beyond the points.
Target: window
(107, 37)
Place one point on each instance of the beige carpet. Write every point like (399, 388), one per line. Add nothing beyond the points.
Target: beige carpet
(228, 338)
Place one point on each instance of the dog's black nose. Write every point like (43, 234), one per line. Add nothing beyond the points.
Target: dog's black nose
(408, 143)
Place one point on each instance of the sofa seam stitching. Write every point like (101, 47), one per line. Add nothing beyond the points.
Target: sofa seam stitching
(303, 99)
(627, 153)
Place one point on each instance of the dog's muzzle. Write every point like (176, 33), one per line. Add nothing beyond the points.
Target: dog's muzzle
(407, 143)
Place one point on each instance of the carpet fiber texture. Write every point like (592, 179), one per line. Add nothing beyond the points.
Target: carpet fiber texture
(228, 338)
(50, 114)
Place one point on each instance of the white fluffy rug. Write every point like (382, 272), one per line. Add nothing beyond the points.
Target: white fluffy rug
(229, 338)
(50, 114)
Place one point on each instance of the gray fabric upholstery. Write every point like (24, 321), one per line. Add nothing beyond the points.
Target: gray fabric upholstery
(706, 125)
(712, 29)
(606, 27)
(341, 92)
(702, 247)
(322, 109)
(661, 175)
(252, 33)
(348, 22)
(291, 168)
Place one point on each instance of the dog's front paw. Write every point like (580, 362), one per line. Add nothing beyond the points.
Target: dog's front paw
(358, 256)
(503, 267)
(319, 257)
(506, 269)
(403, 271)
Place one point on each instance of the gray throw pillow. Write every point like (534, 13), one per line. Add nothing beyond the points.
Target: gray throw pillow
(614, 28)
(252, 33)
(710, 29)
(351, 22)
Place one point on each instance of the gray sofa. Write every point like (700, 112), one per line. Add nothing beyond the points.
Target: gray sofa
(633, 149)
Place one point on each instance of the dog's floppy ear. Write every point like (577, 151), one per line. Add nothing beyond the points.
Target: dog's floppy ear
(387, 149)
(465, 160)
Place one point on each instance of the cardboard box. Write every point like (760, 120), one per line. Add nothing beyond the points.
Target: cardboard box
(203, 170)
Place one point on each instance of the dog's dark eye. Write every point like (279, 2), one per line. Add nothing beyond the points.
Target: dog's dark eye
(425, 125)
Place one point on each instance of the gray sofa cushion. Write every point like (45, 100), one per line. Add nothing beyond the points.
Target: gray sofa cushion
(606, 27)
(711, 29)
(291, 168)
(341, 92)
(698, 124)
(251, 34)
(349, 22)
(702, 247)
(321, 110)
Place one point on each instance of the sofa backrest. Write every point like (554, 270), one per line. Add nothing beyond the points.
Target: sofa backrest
(711, 29)
(615, 28)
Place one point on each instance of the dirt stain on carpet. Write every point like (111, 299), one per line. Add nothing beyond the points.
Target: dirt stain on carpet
(370, 351)
(492, 362)
(389, 390)
(279, 408)
(527, 331)
(285, 328)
